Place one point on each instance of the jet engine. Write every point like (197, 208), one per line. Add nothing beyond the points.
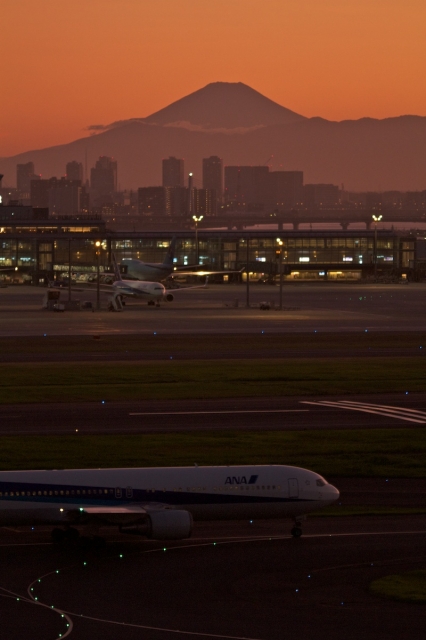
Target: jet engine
(166, 524)
(169, 297)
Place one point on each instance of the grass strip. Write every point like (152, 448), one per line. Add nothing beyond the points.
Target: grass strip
(396, 453)
(228, 343)
(408, 587)
(198, 379)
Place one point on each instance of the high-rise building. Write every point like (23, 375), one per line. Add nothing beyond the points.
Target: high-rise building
(246, 187)
(213, 175)
(103, 177)
(152, 201)
(173, 173)
(24, 176)
(205, 202)
(74, 171)
(61, 196)
(285, 190)
(176, 201)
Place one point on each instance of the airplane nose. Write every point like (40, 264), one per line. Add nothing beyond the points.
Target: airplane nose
(332, 493)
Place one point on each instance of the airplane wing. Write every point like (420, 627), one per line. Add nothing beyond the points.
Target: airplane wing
(202, 272)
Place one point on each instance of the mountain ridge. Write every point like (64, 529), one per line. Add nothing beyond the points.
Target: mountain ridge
(365, 154)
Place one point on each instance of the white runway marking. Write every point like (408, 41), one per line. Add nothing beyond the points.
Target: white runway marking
(400, 413)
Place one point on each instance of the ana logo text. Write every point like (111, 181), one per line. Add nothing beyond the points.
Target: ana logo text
(241, 480)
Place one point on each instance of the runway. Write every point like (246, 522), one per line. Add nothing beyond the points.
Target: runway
(231, 580)
(386, 411)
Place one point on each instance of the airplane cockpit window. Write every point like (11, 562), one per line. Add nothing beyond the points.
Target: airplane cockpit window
(320, 483)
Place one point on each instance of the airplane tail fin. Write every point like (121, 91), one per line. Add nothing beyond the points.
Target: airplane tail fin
(117, 273)
(168, 260)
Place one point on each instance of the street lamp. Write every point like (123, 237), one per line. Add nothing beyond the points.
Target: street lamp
(376, 219)
(196, 219)
(280, 244)
(98, 292)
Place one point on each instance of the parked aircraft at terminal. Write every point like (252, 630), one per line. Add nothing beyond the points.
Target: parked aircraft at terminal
(152, 292)
(160, 503)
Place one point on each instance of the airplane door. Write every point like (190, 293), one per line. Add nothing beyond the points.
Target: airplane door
(293, 488)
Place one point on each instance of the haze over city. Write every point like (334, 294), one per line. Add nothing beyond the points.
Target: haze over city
(73, 66)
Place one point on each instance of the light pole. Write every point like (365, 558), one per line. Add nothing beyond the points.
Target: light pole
(69, 269)
(98, 292)
(376, 220)
(248, 272)
(196, 219)
(280, 244)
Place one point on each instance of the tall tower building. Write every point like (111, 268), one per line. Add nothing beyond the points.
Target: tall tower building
(24, 175)
(213, 175)
(103, 176)
(74, 171)
(173, 175)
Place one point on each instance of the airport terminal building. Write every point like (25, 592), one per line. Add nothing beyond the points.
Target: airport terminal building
(42, 247)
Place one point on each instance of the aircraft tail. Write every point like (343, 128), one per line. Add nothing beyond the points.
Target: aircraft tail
(168, 260)
(117, 273)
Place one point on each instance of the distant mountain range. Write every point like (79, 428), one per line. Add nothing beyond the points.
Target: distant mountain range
(243, 127)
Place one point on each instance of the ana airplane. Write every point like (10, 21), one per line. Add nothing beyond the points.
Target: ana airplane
(160, 503)
(152, 292)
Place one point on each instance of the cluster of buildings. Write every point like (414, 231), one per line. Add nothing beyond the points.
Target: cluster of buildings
(48, 224)
(224, 190)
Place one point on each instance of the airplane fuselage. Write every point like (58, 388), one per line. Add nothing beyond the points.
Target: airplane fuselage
(207, 493)
(149, 291)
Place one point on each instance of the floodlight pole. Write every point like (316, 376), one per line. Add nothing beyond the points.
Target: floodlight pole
(247, 272)
(376, 219)
(196, 219)
(98, 291)
(280, 244)
(69, 269)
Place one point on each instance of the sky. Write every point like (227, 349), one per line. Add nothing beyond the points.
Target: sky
(69, 65)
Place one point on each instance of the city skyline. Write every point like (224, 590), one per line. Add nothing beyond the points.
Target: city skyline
(90, 64)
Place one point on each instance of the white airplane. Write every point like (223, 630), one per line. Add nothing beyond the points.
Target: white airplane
(152, 292)
(159, 503)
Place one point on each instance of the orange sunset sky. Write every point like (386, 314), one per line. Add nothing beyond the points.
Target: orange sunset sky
(68, 65)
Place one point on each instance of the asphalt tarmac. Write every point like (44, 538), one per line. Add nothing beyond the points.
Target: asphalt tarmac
(223, 308)
(230, 580)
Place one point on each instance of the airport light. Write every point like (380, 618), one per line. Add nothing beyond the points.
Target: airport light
(196, 220)
(280, 244)
(376, 219)
(98, 292)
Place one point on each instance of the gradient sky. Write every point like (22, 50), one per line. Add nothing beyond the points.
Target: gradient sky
(68, 65)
